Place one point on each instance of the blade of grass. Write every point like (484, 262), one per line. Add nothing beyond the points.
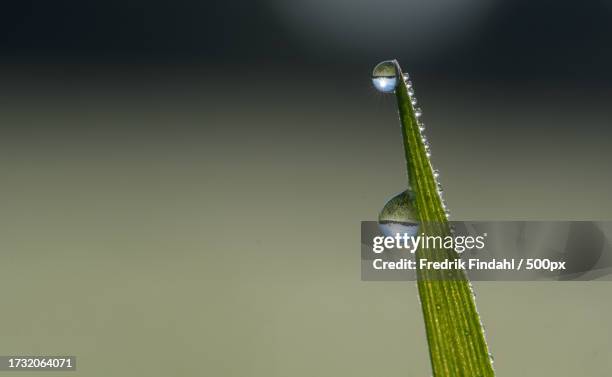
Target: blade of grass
(457, 345)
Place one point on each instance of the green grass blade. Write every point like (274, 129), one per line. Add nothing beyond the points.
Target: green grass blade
(457, 344)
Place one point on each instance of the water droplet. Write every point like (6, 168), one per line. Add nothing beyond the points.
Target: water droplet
(438, 306)
(491, 357)
(406, 77)
(418, 112)
(436, 173)
(428, 153)
(421, 127)
(411, 91)
(413, 101)
(384, 76)
(399, 216)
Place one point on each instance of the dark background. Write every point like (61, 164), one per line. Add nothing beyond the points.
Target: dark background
(526, 40)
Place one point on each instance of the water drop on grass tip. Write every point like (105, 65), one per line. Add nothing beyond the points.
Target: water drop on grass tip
(384, 77)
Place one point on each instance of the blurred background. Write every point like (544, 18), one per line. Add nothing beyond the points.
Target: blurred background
(183, 182)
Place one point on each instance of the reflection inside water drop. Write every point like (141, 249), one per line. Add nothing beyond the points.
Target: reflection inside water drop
(391, 229)
(385, 84)
(384, 77)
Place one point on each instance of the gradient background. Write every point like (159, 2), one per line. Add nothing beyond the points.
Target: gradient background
(183, 182)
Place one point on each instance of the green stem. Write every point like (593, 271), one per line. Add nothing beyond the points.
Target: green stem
(457, 345)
